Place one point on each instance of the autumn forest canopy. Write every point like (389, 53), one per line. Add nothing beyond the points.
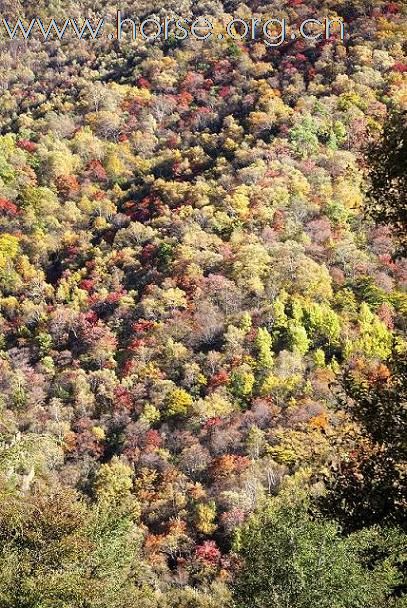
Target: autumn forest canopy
(203, 312)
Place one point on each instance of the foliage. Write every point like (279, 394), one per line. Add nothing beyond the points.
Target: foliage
(368, 485)
(388, 170)
(291, 559)
(58, 551)
(186, 274)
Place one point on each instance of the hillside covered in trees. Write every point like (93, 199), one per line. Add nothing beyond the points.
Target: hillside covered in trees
(203, 313)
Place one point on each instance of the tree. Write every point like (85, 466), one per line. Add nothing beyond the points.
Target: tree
(368, 485)
(263, 344)
(60, 552)
(205, 518)
(178, 402)
(113, 482)
(298, 338)
(292, 560)
(388, 177)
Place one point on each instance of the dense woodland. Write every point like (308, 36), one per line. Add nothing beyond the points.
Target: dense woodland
(203, 307)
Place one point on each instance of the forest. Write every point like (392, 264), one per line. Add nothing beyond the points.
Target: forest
(203, 312)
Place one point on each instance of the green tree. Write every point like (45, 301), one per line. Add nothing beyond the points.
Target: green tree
(298, 338)
(263, 346)
(57, 551)
(291, 560)
(242, 381)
